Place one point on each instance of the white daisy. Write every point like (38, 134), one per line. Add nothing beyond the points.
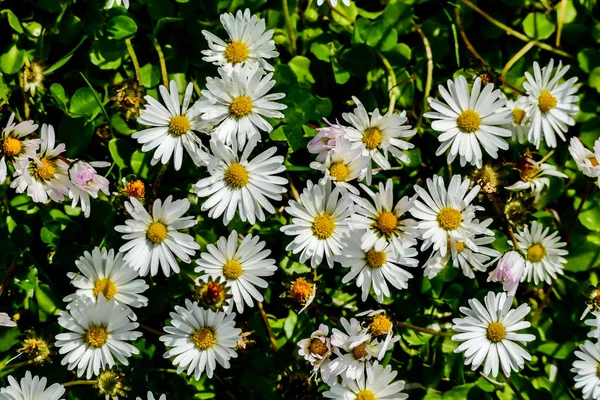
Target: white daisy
(518, 126)
(249, 42)
(586, 161)
(86, 182)
(14, 148)
(325, 139)
(586, 369)
(317, 350)
(6, 321)
(447, 215)
(333, 2)
(375, 267)
(199, 339)
(469, 120)
(46, 173)
(509, 271)
(595, 324)
(117, 3)
(342, 165)
(155, 239)
(104, 272)
(100, 332)
(238, 183)
(172, 127)
(31, 388)
(241, 266)
(489, 333)
(544, 253)
(151, 397)
(378, 134)
(377, 385)
(319, 223)
(550, 104)
(239, 103)
(534, 176)
(382, 222)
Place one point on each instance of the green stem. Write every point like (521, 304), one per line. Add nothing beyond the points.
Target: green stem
(80, 382)
(516, 58)
(392, 83)
(290, 28)
(429, 78)
(423, 330)
(136, 64)
(161, 60)
(513, 387)
(17, 365)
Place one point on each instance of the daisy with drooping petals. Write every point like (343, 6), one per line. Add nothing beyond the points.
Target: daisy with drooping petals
(325, 140)
(13, 144)
(550, 103)
(45, 174)
(241, 266)
(100, 331)
(378, 384)
(154, 240)
(6, 321)
(151, 397)
(518, 126)
(509, 271)
(171, 127)
(378, 134)
(317, 350)
(31, 388)
(544, 251)
(489, 333)
(534, 176)
(470, 120)
(586, 369)
(333, 2)
(86, 182)
(238, 102)
(199, 339)
(238, 183)
(586, 161)
(319, 223)
(249, 42)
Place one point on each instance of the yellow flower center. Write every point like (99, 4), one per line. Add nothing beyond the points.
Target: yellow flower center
(375, 258)
(546, 101)
(318, 347)
(156, 232)
(387, 222)
(449, 218)
(241, 106)
(365, 394)
(372, 138)
(96, 336)
(204, 338)
(179, 125)
(460, 246)
(593, 161)
(360, 351)
(46, 170)
(236, 176)
(518, 115)
(12, 146)
(495, 332)
(468, 121)
(232, 269)
(536, 252)
(323, 226)
(301, 290)
(106, 287)
(381, 325)
(339, 171)
(598, 370)
(236, 52)
(135, 189)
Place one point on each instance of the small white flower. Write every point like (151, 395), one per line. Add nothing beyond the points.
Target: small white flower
(14, 148)
(199, 339)
(544, 253)
(518, 126)
(586, 367)
(241, 266)
(378, 384)
(509, 271)
(31, 388)
(586, 161)
(489, 333)
(99, 332)
(112, 3)
(333, 2)
(154, 240)
(319, 223)
(240, 184)
(151, 397)
(325, 139)
(469, 120)
(534, 176)
(317, 350)
(86, 182)
(6, 321)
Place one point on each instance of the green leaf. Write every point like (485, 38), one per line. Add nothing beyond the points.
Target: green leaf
(594, 79)
(12, 61)
(290, 323)
(58, 94)
(46, 299)
(8, 338)
(560, 351)
(301, 67)
(121, 27)
(150, 75)
(140, 163)
(13, 20)
(538, 26)
(121, 152)
(65, 59)
(83, 103)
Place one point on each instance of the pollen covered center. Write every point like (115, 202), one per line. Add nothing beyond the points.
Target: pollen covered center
(339, 171)
(375, 258)
(204, 338)
(236, 176)
(135, 189)
(236, 52)
(468, 121)
(317, 346)
(365, 394)
(12, 146)
(593, 161)
(96, 336)
(301, 290)
(372, 138)
(381, 325)
(232, 269)
(495, 332)
(179, 125)
(518, 115)
(156, 232)
(106, 287)
(360, 351)
(536, 252)
(241, 106)
(323, 226)
(449, 219)
(387, 222)
(46, 170)
(546, 101)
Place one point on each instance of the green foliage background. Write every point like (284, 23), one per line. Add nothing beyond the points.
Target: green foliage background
(334, 56)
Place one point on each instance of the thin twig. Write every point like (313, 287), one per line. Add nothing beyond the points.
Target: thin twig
(17, 365)
(134, 60)
(424, 330)
(267, 326)
(7, 277)
(513, 387)
(561, 20)
(516, 58)
(546, 157)
(151, 330)
(161, 59)
(392, 83)
(80, 382)
(290, 28)
(429, 78)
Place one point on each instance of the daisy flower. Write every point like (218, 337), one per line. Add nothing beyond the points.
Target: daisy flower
(595, 324)
(6, 321)
(238, 183)
(378, 134)
(586, 370)
(446, 215)
(319, 223)
(45, 174)
(238, 102)
(534, 176)
(518, 126)
(171, 127)
(470, 121)
(31, 388)
(374, 267)
(489, 333)
(100, 331)
(586, 161)
(151, 397)
(154, 240)
(383, 222)
(333, 2)
(325, 140)
(342, 165)
(544, 252)
(117, 3)
(317, 350)
(550, 103)
(13, 144)
(509, 271)
(104, 272)
(378, 384)
(86, 182)
(241, 266)
(249, 42)
(199, 339)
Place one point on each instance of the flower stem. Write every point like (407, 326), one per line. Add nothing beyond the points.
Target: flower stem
(136, 64)
(157, 183)
(338, 12)
(80, 382)
(151, 330)
(392, 83)
(429, 78)
(267, 326)
(161, 59)
(290, 28)
(423, 330)
(7, 276)
(516, 58)
(561, 20)
(17, 365)
(513, 387)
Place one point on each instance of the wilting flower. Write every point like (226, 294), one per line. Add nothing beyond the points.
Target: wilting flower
(325, 140)
(86, 182)
(509, 271)
(128, 98)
